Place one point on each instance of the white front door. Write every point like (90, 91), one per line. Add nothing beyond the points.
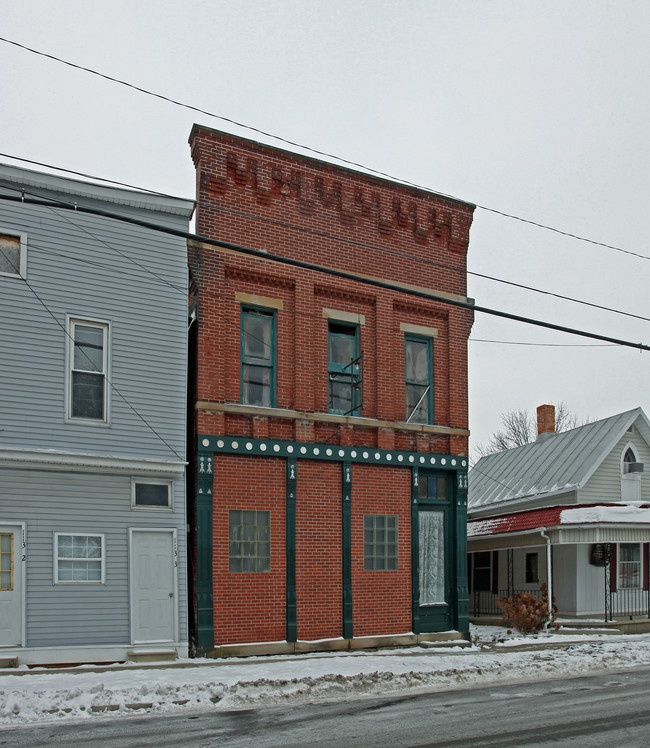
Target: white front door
(153, 586)
(11, 586)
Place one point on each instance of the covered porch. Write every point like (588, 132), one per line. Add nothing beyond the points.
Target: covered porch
(594, 561)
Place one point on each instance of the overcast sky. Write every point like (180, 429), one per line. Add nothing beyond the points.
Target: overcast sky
(537, 109)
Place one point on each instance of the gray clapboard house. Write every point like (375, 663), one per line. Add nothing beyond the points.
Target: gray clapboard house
(93, 340)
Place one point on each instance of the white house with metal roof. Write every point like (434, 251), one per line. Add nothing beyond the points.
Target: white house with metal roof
(572, 510)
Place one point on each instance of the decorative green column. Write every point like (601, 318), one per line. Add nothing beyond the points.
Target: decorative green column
(415, 552)
(204, 513)
(290, 555)
(462, 624)
(346, 543)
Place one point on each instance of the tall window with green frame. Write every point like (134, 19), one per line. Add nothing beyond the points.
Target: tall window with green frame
(343, 368)
(419, 379)
(258, 357)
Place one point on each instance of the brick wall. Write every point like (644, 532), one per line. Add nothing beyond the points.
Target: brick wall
(249, 607)
(318, 550)
(381, 599)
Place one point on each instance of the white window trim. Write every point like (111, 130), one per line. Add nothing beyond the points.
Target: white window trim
(71, 321)
(101, 536)
(619, 586)
(157, 482)
(22, 270)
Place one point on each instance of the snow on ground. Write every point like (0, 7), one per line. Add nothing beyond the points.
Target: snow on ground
(39, 696)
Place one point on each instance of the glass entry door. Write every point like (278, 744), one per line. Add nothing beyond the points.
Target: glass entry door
(434, 576)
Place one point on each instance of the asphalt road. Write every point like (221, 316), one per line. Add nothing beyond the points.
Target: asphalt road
(608, 710)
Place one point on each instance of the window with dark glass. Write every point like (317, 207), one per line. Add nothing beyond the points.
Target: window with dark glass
(379, 542)
(249, 536)
(257, 357)
(88, 370)
(156, 495)
(532, 575)
(419, 380)
(344, 368)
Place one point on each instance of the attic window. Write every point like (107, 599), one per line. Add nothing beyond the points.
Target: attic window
(13, 254)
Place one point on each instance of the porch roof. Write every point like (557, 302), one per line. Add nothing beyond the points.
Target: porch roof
(592, 523)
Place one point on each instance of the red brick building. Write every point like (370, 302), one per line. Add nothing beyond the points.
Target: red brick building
(330, 403)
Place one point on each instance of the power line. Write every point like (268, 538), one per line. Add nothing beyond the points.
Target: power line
(325, 154)
(342, 274)
(366, 245)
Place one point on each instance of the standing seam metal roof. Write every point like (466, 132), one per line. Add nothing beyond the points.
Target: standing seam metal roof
(552, 464)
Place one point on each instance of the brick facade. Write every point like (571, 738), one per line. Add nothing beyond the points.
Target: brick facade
(284, 204)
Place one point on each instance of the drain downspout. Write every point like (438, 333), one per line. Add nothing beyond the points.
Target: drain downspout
(549, 580)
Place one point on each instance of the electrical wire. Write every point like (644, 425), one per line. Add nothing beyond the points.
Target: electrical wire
(344, 274)
(324, 154)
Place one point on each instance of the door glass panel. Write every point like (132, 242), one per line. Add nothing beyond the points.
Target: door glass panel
(6, 561)
(432, 557)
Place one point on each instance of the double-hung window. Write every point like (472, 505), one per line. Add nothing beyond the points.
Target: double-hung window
(629, 565)
(13, 254)
(87, 370)
(258, 357)
(343, 368)
(78, 558)
(419, 379)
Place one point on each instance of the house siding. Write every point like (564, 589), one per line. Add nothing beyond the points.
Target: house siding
(106, 278)
(605, 484)
(73, 477)
(48, 502)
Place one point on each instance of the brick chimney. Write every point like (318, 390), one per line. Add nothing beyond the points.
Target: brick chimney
(545, 419)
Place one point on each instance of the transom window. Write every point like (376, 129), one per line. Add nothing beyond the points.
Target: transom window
(87, 370)
(79, 558)
(13, 254)
(249, 540)
(432, 487)
(151, 494)
(257, 357)
(6, 561)
(419, 379)
(629, 565)
(344, 368)
(379, 542)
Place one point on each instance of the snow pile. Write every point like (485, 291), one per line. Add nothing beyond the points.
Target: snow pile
(40, 696)
(625, 513)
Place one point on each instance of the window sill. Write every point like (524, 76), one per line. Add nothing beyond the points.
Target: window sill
(248, 410)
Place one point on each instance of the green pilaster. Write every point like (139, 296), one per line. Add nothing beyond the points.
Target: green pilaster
(292, 626)
(346, 538)
(461, 552)
(204, 513)
(415, 552)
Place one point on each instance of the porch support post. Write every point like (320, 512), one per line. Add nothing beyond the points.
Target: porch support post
(549, 571)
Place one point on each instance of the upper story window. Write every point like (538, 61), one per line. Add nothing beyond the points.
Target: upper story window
(419, 379)
(630, 475)
(87, 371)
(13, 254)
(343, 368)
(258, 357)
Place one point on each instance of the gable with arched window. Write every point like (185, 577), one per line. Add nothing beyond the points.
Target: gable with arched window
(631, 470)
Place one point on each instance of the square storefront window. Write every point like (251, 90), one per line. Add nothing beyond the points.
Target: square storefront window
(249, 540)
(379, 542)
